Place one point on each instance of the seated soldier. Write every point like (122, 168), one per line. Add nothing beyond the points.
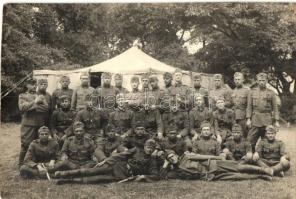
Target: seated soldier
(223, 119)
(62, 119)
(270, 152)
(209, 167)
(77, 151)
(121, 117)
(197, 115)
(237, 147)
(93, 117)
(41, 156)
(138, 137)
(111, 143)
(206, 145)
(136, 162)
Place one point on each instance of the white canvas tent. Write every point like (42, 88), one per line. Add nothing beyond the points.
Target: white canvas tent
(129, 63)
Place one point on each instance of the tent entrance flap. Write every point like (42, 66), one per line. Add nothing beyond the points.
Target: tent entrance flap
(95, 79)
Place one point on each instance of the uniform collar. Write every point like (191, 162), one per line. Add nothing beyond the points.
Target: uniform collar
(76, 141)
(178, 84)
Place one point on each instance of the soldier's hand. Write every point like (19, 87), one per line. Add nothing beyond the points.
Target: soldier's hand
(195, 137)
(219, 138)
(160, 136)
(64, 157)
(179, 136)
(63, 137)
(277, 124)
(40, 168)
(51, 164)
(56, 137)
(256, 157)
(100, 163)
(249, 123)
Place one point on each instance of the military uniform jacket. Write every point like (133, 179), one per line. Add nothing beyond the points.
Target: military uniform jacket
(151, 119)
(94, 120)
(107, 96)
(262, 107)
(58, 93)
(202, 91)
(134, 98)
(34, 114)
(183, 92)
(206, 147)
(178, 146)
(78, 150)
(41, 153)
(214, 94)
(223, 119)
(197, 115)
(119, 90)
(62, 120)
(121, 119)
(105, 146)
(178, 118)
(271, 150)
(240, 101)
(238, 149)
(133, 140)
(80, 95)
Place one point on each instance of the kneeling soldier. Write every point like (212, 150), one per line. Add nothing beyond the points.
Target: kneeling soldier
(41, 156)
(270, 152)
(237, 147)
(77, 151)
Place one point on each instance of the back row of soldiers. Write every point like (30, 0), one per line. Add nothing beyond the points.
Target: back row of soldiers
(177, 106)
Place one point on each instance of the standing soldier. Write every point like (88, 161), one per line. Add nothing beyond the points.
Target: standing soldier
(223, 119)
(237, 147)
(198, 115)
(168, 79)
(240, 100)
(198, 89)
(62, 119)
(133, 98)
(155, 93)
(64, 90)
(107, 93)
(41, 156)
(145, 82)
(81, 92)
(118, 84)
(165, 98)
(77, 151)
(270, 152)
(35, 109)
(219, 90)
(262, 110)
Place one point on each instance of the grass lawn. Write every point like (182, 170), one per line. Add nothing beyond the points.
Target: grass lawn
(12, 186)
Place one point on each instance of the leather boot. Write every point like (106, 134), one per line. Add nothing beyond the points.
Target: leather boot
(66, 174)
(278, 170)
(27, 172)
(255, 169)
(70, 180)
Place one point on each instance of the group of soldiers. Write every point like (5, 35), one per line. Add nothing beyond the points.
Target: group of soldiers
(90, 135)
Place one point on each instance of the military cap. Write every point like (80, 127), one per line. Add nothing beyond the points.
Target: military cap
(139, 123)
(205, 124)
(64, 97)
(271, 128)
(196, 76)
(77, 125)
(65, 77)
(85, 74)
(42, 80)
(43, 129)
(153, 78)
(31, 81)
(106, 75)
(261, 76)
(178, 70)
(237, 127)
(238, 74)
(135, 79)
(118, 76)
(167, 74)
(145, 76)
(150, 142)
(217, 76)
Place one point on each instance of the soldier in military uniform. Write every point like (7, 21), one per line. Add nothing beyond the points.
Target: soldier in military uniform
(81, 93)
(168, 81)
(156, 92)
(197, 115)
(109, 144)
(93, 117)
(35, 109)
(77, 151)
(136, 163)
(237, 147)
(270, 152)
(107, 93)
(62, 119)
(121, 117)
(223, 119)
(239, 101)
(145, 83)
(133, 98)
(64, 90)
(218, 91)
(118, 84)
(262, 110)
(198, 89)
(206, 144)
(41, 156)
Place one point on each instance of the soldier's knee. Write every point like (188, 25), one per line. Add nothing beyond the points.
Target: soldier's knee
(285, 164)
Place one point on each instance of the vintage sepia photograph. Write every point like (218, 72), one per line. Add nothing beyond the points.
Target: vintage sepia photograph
(148, 100)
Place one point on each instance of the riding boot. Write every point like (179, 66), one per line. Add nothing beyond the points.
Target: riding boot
(255, 169)
(278, 170)
(67, 174)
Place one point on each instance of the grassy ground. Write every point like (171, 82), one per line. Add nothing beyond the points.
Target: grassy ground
(11, 186)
